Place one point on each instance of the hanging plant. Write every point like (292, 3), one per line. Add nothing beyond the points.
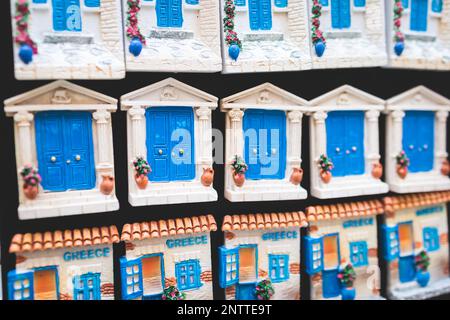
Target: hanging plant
(137, 40)
(422, 261)
(239, 168)
(347, 277)
(402, 164)
(264, 290)
(142, 169)
(231, 37)
(27, 46)
(325, 167)
(31, 180)
(316, 34)
(399, 37)
(172, 293)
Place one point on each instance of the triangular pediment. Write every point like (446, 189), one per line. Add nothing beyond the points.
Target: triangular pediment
(346, 96)
(419, 97)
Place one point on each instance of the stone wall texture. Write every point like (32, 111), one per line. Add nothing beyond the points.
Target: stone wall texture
(209, 18)
(110, 24)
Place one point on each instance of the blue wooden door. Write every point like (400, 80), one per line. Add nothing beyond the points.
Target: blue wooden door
(66, 15)
(406, 263)
(345, 142)
(330, 283)
(340, 14)
(260, 14)
(169, 13)
(407, 268)
(170, 143)
(65, 150)
(419, 15)
(418, 140)
(246, 291)
(265, 144)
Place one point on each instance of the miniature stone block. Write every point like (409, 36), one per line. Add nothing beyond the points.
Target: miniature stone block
(64, 151)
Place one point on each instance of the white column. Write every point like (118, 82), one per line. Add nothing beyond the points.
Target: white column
(294, 140)
(320, 133)
(138, 135)
(440, 134)
(204, 139)
(236, 137)
(102, 118)
(23, 121)
(394, 140)
(372, 151)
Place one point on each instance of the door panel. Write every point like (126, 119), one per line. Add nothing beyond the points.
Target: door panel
(419, 15)
(330, 284)
(246, 291)
(45, 284)
(182, 130)
(253, 123)
(335, 127)
(247, 264)
(354, 151)
(407, 269)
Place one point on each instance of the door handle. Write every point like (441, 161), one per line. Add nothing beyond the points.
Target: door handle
(274, 151)
(425, 147)
(181, 152)
(78, 157)
(68, 161)
(411, 147)
(255, 151)
(53, 159)
(338, 149)
(354, 149)
(347, 151)
(160, 151)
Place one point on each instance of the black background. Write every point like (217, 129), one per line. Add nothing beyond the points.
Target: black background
(383, 83)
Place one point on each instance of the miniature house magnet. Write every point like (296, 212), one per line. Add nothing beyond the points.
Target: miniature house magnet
(169, 144)
(172, 35)
(417, 34)
(347, 33)
(168, 259)
(265, 35)
(345, 157)
(416, 149)
(415, 242)
(263, 144)
(64, 150)
(341, 252)
(260, 259)
(63, 265)
(67, 39)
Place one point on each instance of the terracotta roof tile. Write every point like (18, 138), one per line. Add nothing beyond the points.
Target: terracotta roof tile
(165, 228)
(264, 221)
(344, 210)
(396, 203)
(59, 239)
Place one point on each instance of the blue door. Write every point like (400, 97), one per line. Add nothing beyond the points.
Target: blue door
(265, 144)
(246, 291)
(419, 15)
(65, 150)
(418, 140)
(169, 13)
(345, 142)
(330, 283)
(170, 143)
(66, 15)
(331, 262)
(407, 268)
(260, 14)
(340, 14)
(406, 263)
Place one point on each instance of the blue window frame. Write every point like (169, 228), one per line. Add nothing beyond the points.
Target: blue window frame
(260, 13)
(169, 13)
(436, 6)
(431, 239)
(340, 14)
(359, 3)
(324, 3)
(278, 267)
(281, 3)
(131, 277)
(188, 274)
(358, 253)
(92, 3)
(405, 4)
(391, 244)
(39, 1)
(20, 285)
(192, 2)
(87, 287)
(228, 266)
(239, 3)
(419, 15)
(314, 254)
(66, 15)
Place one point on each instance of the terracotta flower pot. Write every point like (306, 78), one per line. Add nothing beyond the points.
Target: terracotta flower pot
(207, 176)
(296, 176)
(377, 170)
(107, 184)
(30, 191)
(325, 176)
(239, 179)
(141, 181)
(445, 169)
(402, 172)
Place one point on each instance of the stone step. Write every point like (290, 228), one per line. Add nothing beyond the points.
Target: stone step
(62, 37)
(171, 34)
(263, 37)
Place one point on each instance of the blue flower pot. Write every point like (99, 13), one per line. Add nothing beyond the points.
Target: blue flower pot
(234, 51)
(348, 293)
(26, 53)
(135, 47)
(320, 48)
(423, 278)
(398, 48)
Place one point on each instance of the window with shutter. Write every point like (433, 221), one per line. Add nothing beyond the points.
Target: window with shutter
(340, 14)
(436, 6)
(358, 253)
(324, 3)
(229, 266)
(419, 15)
(131, 277)
(66, 15)
(87, 287)
(278, 267)
(188, 274)
(260, 13)
(20, 285)
(405, 4)
(169, 13)
(314, 254)
(391, 244)
(360, 3)
(431, 239)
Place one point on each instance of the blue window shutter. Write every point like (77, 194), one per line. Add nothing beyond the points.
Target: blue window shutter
(39, 1)
(345, 14)
(253, 11)
(162, 13)
(281, 3)
(192, 2)
(20, 285)
(431, 239)
(419, 15)
(391, 244)
(358, 253)
(436, 6)
(132, 288)
(314, 254)
(176, 14)
(278, 267)
(59, 15)
(73, 15)
(239, 3)
(92, 3)
(188, 274)
(324, 3)
(360, 3)
(405, 4)
(265, 22)
(228, 266)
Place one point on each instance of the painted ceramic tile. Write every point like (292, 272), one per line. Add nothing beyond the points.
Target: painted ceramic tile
(416, 149)
(345, 156)
(260, 259)
(341, 253)
(418, 34)
(168, 259)
(347, 33)
(263, 145)
(265, 35)
(172, 35)
(63, 265)
(67, 39)
(415, 241)
(169, 144)
(64, 150)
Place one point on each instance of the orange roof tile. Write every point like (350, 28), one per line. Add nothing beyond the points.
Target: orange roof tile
(344, 210)
(396, 203)
(165, 228)
(261, 221)
(29, 242)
